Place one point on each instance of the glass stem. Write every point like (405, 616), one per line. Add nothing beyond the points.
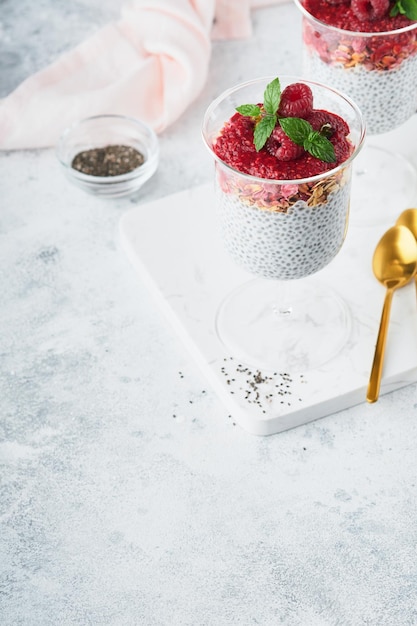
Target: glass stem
(282, 305)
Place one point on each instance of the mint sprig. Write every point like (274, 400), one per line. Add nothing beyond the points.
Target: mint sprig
(298, 130)
(405, 7)
(302, 133)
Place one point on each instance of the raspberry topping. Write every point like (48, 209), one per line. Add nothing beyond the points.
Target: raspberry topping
(345, 18)
(235, 147)
(296, 101)
(260, 141)
(342, 147)
(327, 122)
(369, 10)
(282, 147)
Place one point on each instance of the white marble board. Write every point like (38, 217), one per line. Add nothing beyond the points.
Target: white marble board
(174, 244)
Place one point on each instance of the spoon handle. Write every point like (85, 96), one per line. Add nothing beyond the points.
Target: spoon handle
(376, 371)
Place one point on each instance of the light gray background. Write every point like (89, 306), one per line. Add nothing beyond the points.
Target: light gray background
(112, 511)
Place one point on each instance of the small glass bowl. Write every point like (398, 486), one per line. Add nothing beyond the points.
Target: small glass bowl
(98, 132)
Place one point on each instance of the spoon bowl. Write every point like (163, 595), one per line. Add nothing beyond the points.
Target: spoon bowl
(394, 260)
(394, 264)
(409, 218)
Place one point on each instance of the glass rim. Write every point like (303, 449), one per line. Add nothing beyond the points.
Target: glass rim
(284, 181)
(133, 122)
(353, 33)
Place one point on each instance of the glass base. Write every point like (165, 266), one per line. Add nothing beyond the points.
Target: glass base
(286, 326)
(384, 183)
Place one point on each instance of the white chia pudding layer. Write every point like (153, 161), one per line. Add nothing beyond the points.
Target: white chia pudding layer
(387, 98)
(284, 245)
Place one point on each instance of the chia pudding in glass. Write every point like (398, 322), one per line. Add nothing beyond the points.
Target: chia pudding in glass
(283, 161)
(367, 49)
(282, 218)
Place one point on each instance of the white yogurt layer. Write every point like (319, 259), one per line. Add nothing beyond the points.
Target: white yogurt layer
(284, 245)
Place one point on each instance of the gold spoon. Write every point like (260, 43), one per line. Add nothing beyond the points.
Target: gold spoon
(409, 218)
(394, 264)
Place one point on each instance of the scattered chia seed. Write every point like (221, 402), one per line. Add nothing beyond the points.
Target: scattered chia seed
(108, 161)
(259, 389)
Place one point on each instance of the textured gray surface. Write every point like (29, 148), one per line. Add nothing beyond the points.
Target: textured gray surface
(112, 510)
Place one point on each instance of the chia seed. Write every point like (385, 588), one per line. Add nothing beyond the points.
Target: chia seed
(112, 160)
(258, 388)
(284, 245)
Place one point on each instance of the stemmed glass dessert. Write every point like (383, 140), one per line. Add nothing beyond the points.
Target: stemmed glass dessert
(283, 151)
(368, 49)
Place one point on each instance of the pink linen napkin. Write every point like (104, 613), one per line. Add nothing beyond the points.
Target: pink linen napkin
(151, 63)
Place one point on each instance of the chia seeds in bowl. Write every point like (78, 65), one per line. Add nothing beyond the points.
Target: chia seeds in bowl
(110, 156)
(374, 61)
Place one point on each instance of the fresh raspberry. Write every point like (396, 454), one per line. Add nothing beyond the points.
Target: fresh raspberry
(331, 122)
(342, 146)
(334, 2)
(369, 10)
(282, 147)
(296, 101)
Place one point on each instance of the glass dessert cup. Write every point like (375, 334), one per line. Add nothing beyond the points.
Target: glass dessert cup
(283, 232)
(379, 72)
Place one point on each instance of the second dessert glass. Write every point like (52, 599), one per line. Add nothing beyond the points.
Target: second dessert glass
(379, 72)
(283, 231)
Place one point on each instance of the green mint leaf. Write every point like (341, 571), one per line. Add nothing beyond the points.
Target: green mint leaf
(311, 139)
(395, 9)
(249, 110)
(301, 132)
(296, 129)
(405, 7)
(320, 147)
(272, 96)
(410, 8)
(263, 130)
